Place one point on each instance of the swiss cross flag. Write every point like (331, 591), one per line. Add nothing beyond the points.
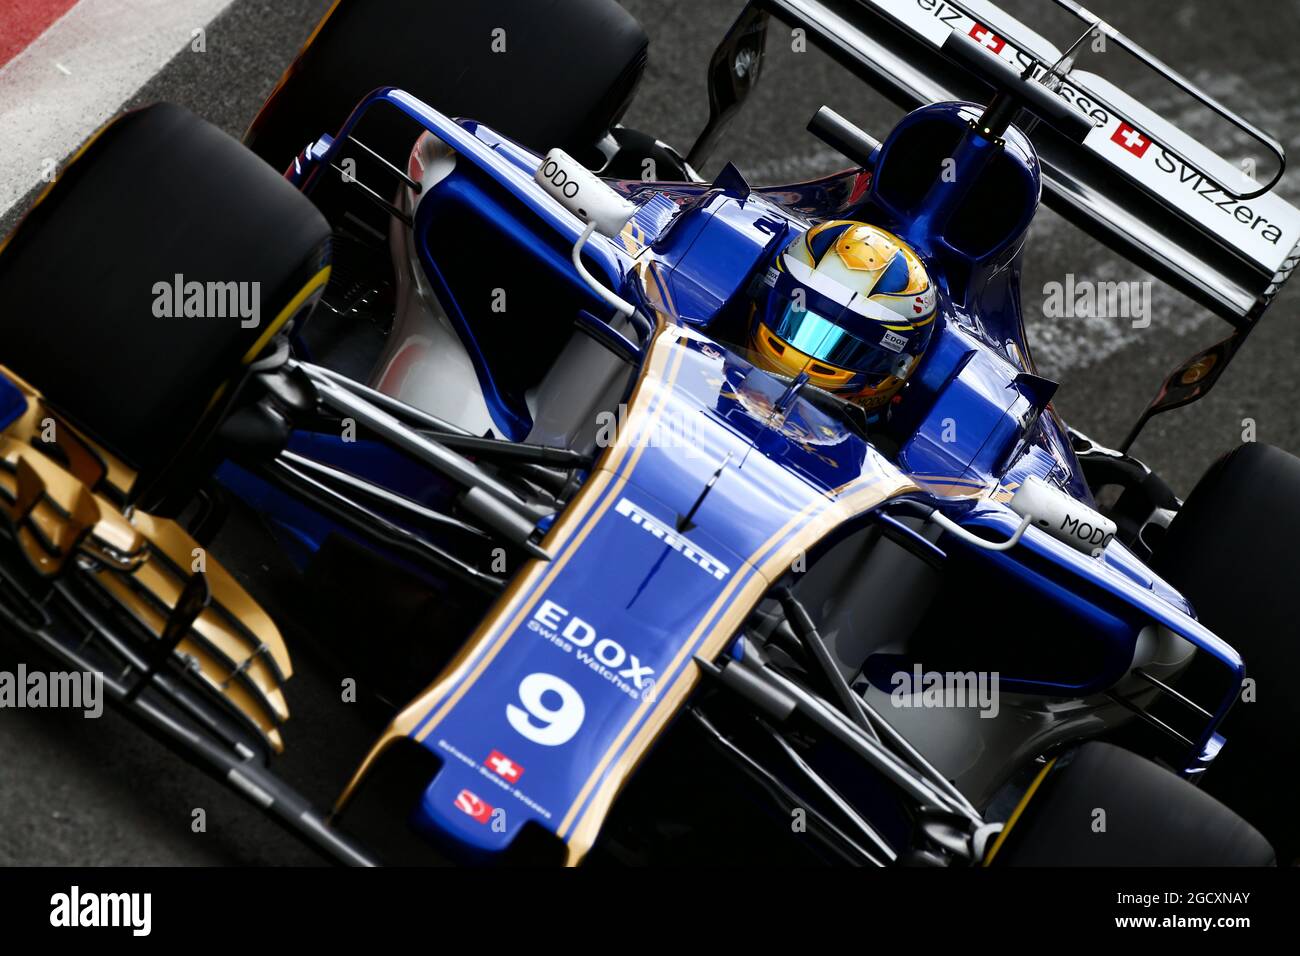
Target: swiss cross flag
(503, 766)
(1131, 139)
(987, 38)
(472, 805)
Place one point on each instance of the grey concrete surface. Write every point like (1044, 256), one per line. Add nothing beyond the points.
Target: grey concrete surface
(98, 792)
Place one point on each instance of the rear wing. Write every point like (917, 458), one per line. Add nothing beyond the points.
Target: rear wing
(1137, 183)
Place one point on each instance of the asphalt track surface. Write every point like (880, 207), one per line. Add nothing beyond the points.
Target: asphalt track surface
(75, 791)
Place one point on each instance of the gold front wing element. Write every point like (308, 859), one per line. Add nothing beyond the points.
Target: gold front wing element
(55, 495)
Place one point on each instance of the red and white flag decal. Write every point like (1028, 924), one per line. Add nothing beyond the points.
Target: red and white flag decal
(987, 38)
(1131, 139)
(472, 805)
(503, 766)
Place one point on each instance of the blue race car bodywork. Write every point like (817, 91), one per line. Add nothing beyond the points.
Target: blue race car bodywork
(542, 494)
(720, 480)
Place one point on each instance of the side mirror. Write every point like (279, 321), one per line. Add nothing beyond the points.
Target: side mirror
(734, 70)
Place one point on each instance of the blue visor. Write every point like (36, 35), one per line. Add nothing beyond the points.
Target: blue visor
(827, 342)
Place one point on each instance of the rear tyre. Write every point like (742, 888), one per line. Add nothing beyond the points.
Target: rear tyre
(1103, 806)
(1233, 550)
(544, 72)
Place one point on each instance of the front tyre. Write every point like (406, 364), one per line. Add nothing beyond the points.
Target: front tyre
(1100, 805)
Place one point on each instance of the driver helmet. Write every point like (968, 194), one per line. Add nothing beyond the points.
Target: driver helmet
(849, 304)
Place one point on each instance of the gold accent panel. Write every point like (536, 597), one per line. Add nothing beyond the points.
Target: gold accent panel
(86, 460)
(140, 562)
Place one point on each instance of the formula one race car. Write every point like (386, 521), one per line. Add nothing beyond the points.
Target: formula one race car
(657, 519)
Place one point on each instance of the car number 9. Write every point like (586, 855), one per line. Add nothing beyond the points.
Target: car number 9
(558, 724)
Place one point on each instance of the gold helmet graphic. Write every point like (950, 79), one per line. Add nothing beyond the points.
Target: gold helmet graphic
(849, 304)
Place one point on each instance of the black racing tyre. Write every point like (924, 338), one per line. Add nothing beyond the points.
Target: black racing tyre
(566, 75)
(1100, 805)
(87, 311)
(1234, 551)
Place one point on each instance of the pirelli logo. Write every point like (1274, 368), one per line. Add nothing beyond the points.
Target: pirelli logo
(682, 545)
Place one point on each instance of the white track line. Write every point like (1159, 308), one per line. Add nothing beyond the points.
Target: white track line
(78, 73)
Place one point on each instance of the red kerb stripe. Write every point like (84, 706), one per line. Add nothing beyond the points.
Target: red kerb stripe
(22, 21)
